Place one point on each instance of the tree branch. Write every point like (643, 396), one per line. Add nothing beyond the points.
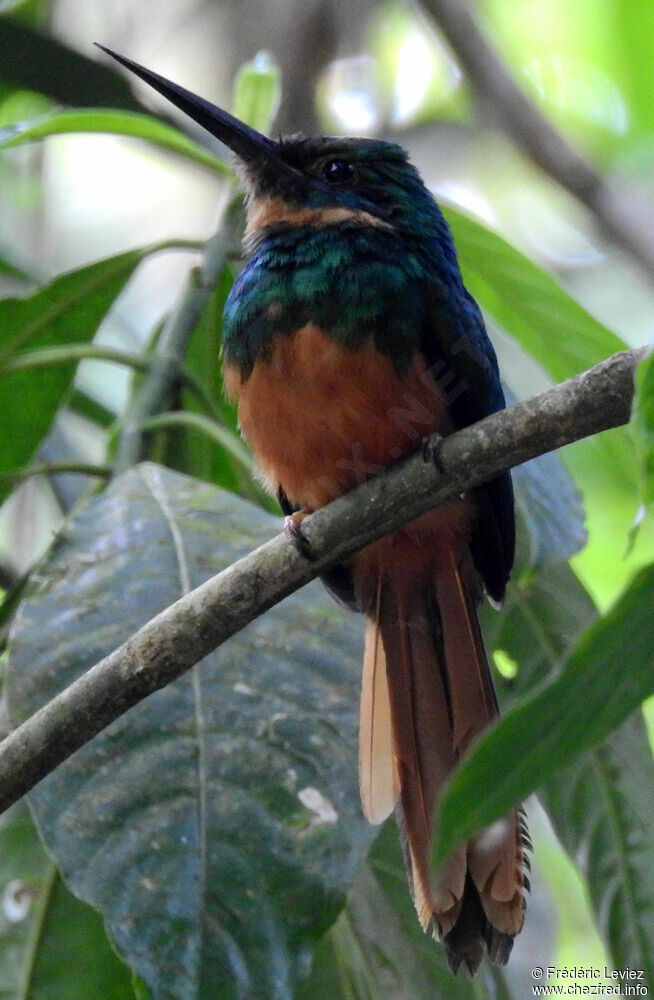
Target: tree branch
(188, 630)
(619, 214)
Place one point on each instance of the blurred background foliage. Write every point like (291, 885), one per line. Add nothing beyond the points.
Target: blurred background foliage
(109, 353)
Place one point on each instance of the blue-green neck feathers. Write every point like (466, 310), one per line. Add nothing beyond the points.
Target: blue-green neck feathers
(372, 273)
(351, 281)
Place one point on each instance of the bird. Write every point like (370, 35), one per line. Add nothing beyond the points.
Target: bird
(349, 340)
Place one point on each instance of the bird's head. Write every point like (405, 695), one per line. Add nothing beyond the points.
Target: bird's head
(305, 179)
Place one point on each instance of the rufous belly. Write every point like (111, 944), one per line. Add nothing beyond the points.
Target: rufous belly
(322, 418)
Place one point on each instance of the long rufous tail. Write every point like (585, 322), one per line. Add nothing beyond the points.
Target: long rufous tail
(427, 693)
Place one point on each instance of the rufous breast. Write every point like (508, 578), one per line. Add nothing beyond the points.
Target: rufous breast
(321, 417)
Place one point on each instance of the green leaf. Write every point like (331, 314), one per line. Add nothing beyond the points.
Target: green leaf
(257, 92)
(563, 339)
(596, 804)
(232, 455)
(200, 457)
(631, 28)
(64, 354)
(68, 310)
(528, 303)
(377, 950)
(642, 429)
(115, 123)
(550, 510)
(607, 676)
(219, 456)
(601, 809)
(217, 825)
(32, 60)
(12, 268)
(52, 947)
(56, 468)
(215, 432)
(57, 312)
(541, 620)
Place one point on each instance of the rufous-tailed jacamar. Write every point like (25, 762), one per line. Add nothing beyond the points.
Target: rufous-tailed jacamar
(348, 338)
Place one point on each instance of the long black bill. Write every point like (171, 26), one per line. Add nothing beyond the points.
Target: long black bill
(248, 144)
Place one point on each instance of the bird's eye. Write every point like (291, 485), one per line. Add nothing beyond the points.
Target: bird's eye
(337, 171)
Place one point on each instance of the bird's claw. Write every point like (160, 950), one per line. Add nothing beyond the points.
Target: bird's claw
(294, 533)
(431, 451)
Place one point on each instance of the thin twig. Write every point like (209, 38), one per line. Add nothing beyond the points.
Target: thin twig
(55, 468)
(622, 217)
(182, 634)
(170, 350)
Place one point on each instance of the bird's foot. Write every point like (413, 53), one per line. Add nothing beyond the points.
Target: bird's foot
(431, 451)
(294, 533)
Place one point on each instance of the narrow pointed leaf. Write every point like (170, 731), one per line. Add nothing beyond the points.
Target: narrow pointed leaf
(104, 121)
(225, 460)
(211, 429)
(68, 310)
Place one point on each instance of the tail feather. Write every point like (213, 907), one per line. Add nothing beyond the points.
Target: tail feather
(495, 862)
(495, 856)
(378, 778)
(418, 710)
(473, 701)
(423, 637)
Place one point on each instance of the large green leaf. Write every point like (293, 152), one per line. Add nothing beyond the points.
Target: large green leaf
(217, 825)
(68, 310)
(528, 303)
(127, 123)
(602, 808)
(601, 804)
(564, 340)
(55, 312)
(607, 676)
(52, 946)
